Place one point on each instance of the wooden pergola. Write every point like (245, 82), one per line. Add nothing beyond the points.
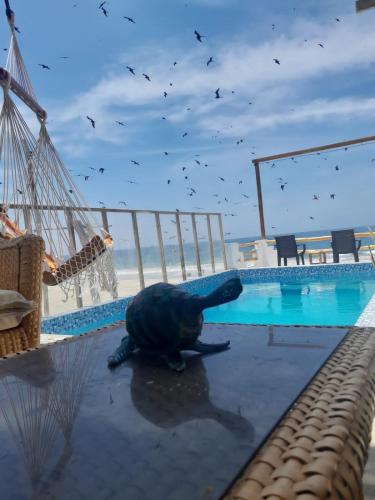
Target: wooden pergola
(291, 154)
(364, 5)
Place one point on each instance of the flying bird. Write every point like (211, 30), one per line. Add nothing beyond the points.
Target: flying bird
(132, 71)
(316, 197)
(185, 134)
(165, 94)
(130, 19)
(169, 181)
(87, 177)
(217, 95)
(321, 45)
(122, 203)
(240, 182)
(102, 5)
(282, 187)
(101, 203)
(135, 162)
(277, 61)
(211, 60)
(183, 169)
(105, 11)
(337, 19)
(245, 196)
(198, 36)
(44, 66)
(64, 57)
(132, 182)
(91, 121)
(332, 196)
(222, 179)
(166, 153)
(337, 168)
(101, 170)
(120, 123)
(312, 218)
(146, 76)
(175, 63)
(197, 162)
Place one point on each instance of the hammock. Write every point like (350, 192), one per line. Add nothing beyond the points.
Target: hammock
(39, 194)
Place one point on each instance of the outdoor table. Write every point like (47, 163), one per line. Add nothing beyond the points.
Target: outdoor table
(285, 413)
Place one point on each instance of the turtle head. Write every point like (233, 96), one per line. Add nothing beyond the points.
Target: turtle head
(228, 291)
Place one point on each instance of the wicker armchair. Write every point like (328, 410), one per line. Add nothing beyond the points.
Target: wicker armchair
(21, 271)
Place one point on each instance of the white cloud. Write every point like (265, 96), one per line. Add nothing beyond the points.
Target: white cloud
(247, 68)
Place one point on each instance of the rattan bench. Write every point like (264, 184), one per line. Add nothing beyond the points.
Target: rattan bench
(319, 450)
(21, 270)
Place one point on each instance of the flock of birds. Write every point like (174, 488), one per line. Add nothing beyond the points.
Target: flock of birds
(191, 191)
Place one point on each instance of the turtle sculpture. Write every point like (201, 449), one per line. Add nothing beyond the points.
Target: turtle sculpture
(163, 319)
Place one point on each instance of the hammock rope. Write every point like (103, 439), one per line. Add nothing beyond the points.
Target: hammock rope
(42, 194)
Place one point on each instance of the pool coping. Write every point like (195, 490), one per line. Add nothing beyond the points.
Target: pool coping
(52, 325)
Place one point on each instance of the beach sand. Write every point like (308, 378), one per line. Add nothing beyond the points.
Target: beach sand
(128, 284)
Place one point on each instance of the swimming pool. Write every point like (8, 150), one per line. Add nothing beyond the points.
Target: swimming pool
(331, 295)
(324, 301)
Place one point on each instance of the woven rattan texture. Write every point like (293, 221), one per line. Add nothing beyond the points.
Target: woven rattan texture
(20, 270)
(319, 450)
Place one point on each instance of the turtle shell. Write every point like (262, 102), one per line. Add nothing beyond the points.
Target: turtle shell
(162, 318)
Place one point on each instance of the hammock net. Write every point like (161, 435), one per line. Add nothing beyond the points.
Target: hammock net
(39, 195)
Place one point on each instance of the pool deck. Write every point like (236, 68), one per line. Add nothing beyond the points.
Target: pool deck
(158, 426)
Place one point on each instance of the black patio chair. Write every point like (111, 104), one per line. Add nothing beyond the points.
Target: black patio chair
(344, 242)
(287, 247)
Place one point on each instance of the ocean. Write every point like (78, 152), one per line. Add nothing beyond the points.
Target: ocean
(125, 259)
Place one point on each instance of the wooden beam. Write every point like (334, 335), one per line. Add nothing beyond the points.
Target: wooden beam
(362, 5)
(316, 149)
(16, 88)
(260, 202)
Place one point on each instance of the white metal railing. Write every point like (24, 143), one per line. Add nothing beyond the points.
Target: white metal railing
(215, 256)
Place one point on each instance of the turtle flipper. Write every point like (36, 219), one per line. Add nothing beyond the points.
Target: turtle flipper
(126, 347)
(175, 361)
(209, 348)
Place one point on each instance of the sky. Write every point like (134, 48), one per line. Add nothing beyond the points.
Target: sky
(316, 95)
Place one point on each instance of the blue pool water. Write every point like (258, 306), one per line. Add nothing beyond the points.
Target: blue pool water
(326, 300)
(301, 301)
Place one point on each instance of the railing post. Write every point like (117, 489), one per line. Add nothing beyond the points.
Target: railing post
(222, 242)
(138, 250)
(106, 228)
(180, 247)
(72, 237)
(196, 245)
(210, 244)
(161, 247)
(27, 218)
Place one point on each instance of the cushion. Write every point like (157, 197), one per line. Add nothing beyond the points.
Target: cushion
(13, 308)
